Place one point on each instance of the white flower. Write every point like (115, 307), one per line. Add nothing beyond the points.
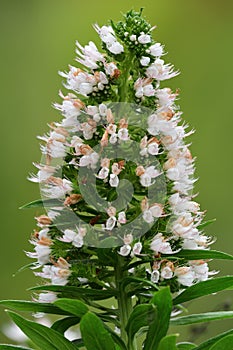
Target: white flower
(57, 275)
(156, 210)
(137, 248)
(200, 269)
(89, 160)
(148, 90)
(69, 108)
(133, 37)
(57, 188)
(160, 71)
(103, 109)
(145, 61)
(111, 211)
(78, 241)
(160, 245)
(165, 97)
(43, 253)
(154, 276)
(123, 134)
(72, 237)
(110, 223)
(144, 38)
(143, 87)
(107, 35)
(54, 149)
(185, 275)
(153, 148)
(121, 217)
(103, 173)
(92, 110)
(43, 174)
(146, 180)
(48, 297)
(147, 216)
(152, 171)
(85, 89)
(68, 236)
(116, 48)
(128, 239)
(110, 68)
(156, 50)
(166, 272)
(111, 128)
(89, 55)
(114, 180)
(125, 250)
(113, 138)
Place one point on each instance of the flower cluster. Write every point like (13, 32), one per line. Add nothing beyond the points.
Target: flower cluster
(86, 141)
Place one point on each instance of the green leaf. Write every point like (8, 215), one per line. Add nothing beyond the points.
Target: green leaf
(120, 343)
(142, 316)
(31, 306)
(158, 328)
(203, 254)
(74, 307)
(45, 338)
(128, 280)
(39, 203)
(94, 334)
(65, 323)
(199, 318)
(186, 346)
(204, 288)
(210, 342)
(12, 347)
(224, 344)
(206, 223)
(168, 342)
(78, 293)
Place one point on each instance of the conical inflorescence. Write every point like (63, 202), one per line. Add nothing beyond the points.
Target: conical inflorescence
(116, 175)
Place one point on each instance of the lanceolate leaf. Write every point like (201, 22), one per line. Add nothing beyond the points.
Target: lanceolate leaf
(199, 318)
(128, 280)
(210, 342)
(186, 346)
(141, 316)
(78, 293)
(33, 307)
(65, 323)
(203, 254)
(12, 347)
(168, 342)
(158, 328)
(224, 344)
(39, 203)
(204, 288)
(45, 338)
(206, 223)
(74, 307)
(121, 345)
(94, 334)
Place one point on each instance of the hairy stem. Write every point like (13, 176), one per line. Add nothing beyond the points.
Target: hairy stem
(124, 301)
(123, 88)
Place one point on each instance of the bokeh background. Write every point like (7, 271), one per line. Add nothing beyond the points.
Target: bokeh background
(37, 38)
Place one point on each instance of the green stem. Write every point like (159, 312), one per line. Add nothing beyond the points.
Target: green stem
(124, 301)
(123, 88)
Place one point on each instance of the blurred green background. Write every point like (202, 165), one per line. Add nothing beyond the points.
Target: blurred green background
(37, 39)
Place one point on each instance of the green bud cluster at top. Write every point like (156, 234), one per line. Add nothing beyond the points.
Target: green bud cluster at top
(133, 24)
